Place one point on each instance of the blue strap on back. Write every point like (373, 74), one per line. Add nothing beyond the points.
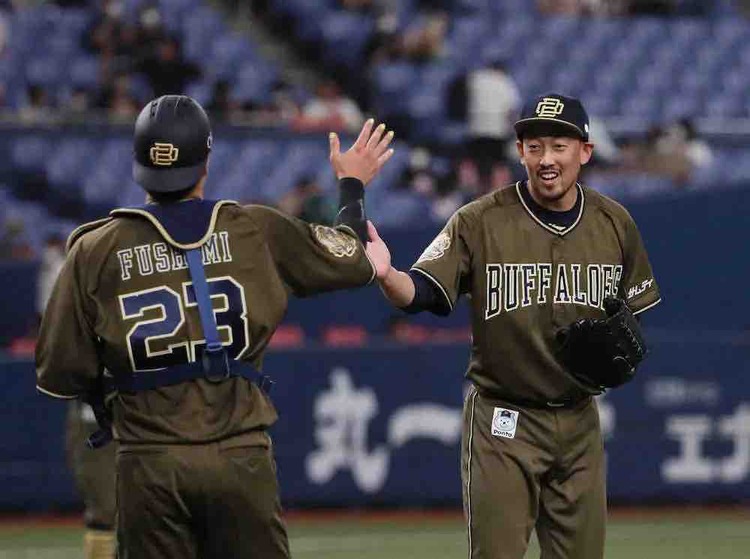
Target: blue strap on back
(214, 364)
(208, 320)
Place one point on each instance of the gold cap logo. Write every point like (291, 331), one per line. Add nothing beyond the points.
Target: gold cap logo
(163, 154)
(549, 107)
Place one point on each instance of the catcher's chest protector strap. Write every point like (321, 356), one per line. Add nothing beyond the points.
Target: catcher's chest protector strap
(187, 226)
(184, 225)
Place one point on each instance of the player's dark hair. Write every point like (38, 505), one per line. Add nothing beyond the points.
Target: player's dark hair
(171, 197)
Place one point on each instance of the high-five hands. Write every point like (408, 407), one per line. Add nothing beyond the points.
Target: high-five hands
(367, 155)
(378, 253)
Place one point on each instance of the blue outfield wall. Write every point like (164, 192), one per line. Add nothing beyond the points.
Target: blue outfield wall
(382, 425)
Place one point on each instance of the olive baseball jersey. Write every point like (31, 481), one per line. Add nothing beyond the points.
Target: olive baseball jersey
(527, 279)
(124, 300)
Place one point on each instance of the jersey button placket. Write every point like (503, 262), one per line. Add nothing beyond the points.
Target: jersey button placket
(556, 258)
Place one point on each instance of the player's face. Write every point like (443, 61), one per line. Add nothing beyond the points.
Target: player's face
(552, 165)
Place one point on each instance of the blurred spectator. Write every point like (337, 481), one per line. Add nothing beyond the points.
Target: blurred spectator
(432, 178)
(167, 72)
(150, 32)
(307, 202)
(673, 152)
(4, 28)
(52, 260)
(282, 109)
(111, 39)
(744, 7)
(357, 5)
(606, 151)
(117, 99)
(108, 35)
(488, 99)
(37, 107)
(222, 108)
(330, 110)
(78, 104)
(13, 242)
(680, 142)
(423, 40)
(561, 7)
(651, 7)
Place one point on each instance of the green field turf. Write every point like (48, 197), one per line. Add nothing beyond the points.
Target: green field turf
(430, 537)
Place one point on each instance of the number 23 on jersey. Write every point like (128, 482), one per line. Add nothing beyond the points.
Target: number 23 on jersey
(168, 317)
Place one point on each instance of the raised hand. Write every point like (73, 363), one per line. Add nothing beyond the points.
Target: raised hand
(367, 155)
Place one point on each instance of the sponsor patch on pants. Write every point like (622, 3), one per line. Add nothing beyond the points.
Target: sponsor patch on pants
(504, 423)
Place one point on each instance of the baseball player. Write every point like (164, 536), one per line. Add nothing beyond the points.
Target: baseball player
(547, 263)
(178, 299)
(94, 473)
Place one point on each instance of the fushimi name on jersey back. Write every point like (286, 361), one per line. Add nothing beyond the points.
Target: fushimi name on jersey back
(516, 286)
(147, 259)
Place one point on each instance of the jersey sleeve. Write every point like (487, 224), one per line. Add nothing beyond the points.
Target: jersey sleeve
(446, 262)
(638, 286)
(67, 362)
(313, 258)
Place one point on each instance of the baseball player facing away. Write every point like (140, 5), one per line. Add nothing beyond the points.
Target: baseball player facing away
(533, 257)
(177, 300)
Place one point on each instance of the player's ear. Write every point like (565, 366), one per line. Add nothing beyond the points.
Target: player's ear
(519, 147)
(587, 150)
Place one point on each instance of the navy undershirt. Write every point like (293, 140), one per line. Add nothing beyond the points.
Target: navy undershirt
(551, 217)
(427, 295)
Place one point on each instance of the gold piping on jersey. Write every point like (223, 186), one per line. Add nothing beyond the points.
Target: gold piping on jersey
(163, 232)
(437, 283)
(639, 311)
(561, 232)
(469, 453)
(85, 228)
(55, 395)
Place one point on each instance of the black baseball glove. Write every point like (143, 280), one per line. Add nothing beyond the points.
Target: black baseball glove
(603, 353)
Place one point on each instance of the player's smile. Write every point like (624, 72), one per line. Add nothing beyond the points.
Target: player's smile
(549, 176)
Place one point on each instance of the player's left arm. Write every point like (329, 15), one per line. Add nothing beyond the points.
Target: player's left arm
(638, 286)
(354, 169)
(314, 258)
(311, 258)
(67, 361)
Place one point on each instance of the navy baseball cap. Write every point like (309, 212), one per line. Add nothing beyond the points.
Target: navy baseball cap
(171, 144)
(553, 115)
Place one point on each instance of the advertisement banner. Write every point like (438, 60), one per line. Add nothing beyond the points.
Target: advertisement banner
(382, 425)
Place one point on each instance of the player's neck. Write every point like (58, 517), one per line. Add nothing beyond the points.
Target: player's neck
(563, 204)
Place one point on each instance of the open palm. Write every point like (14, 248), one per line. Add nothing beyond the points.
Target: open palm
(378, 252)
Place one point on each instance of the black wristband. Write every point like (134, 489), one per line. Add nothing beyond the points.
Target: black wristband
(352, 207)
(427, 297)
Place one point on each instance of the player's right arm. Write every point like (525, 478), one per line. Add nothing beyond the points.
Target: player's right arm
(397, 286)
(67, 361)
(413, 291)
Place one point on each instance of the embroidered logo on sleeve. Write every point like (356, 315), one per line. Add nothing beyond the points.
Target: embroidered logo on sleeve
(337, 243)
(636, 290)
(437, 247)
(504, 423)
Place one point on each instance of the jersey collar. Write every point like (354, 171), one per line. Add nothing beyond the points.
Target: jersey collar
(185, 225)
(554, 230)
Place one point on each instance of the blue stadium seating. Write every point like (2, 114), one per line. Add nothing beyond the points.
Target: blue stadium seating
(634, 69)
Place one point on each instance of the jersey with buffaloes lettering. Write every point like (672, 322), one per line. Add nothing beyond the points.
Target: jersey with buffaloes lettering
(528, 278)
(124, 300)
